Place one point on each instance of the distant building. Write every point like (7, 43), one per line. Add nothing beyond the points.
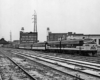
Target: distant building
(28, 37)
(56, 36)
(64, 36)
(16, 42)
(3, 41)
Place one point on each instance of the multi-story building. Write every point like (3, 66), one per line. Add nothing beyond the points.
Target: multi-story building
(28, 37)
(56, 36)
(16, 42)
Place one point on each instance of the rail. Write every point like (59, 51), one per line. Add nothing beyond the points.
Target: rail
(30, 76)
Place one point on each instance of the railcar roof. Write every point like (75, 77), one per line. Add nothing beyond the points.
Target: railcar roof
(71, 41)
(90, 41)
(40, 43)
(53, 41)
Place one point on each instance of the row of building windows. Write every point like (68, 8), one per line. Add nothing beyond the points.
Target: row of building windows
(28, 36)
(28, 39)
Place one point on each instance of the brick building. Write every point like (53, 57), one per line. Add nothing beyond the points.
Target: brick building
(64, 36)
(28, 37)
(56, 36)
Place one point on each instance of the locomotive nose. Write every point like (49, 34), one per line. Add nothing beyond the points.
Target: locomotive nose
(93, 47)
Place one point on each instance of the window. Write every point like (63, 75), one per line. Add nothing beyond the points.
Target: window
(95, 40)
(99, 41)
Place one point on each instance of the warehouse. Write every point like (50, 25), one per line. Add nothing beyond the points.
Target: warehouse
(28, 37)
(64, 36)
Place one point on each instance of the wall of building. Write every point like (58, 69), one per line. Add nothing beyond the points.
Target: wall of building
(65, 36)
(28, 37)
(56, 36)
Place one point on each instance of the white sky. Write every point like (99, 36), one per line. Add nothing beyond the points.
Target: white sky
(61, 16)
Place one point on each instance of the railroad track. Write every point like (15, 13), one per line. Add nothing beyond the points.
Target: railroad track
(75, 57)
(85, 67)
(21, 68)
(30, 76)
(91, 69)
(70, 61)
(48, 73)
(80, 58)
(72, 77)
(77, 62)
(54, 66)
(81, 70)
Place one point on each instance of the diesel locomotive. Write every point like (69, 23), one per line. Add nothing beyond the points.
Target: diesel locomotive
(74, 46)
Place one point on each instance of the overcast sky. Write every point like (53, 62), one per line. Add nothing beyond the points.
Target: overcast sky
(61, 16)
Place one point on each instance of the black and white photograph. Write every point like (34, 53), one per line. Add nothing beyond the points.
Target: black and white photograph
(49, 39)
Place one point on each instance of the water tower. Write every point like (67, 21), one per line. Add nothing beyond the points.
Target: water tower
(48, 31)
(22, 29)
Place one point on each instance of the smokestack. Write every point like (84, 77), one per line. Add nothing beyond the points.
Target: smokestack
(35, 21)
(10, 36)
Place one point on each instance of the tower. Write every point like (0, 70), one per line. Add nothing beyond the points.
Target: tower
(22, 29)
(48, 31)
(35, 21)
(10, 36)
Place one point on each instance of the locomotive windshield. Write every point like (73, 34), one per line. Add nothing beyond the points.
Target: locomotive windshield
(90, 42)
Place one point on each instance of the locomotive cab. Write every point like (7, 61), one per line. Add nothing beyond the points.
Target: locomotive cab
(90, 46)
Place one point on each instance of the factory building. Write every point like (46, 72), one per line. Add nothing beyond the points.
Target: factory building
(56, 36)
(28, 37)
(65, 36)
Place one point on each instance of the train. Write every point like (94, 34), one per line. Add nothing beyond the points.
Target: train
(73, 46)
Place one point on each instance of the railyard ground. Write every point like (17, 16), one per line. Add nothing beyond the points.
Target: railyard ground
(95, 59)
(40, 72)
(63, 55)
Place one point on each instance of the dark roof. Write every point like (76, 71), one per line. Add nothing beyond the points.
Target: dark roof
(28, 32)
(3, 41)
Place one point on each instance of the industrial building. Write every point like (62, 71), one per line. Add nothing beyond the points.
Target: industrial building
(29, 37)
(64, 36)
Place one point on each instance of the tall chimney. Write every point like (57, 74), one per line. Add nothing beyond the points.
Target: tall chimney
(10, 36)
(35, 21)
